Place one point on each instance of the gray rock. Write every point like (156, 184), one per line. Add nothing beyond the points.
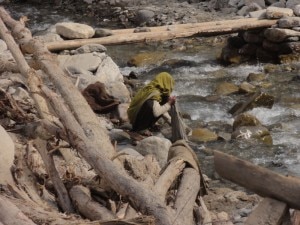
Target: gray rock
(292, 3)
(7, 149)
(260, 14)
(279, 35)
(82, 62)
(233, 3)
(101, 32)
(270, 2)
(296, 29)
(3, 46)
(253, 37)
(74, 30)
(143, 16)
(261, 3)
(244, 11)
(289, 47)
(108, 71)
(159, 147)
(118, 90)
(270, 46)
(297, 10)
(90, 48)
(122, 112)
(277, 13)
(289, 22)
(278, 4)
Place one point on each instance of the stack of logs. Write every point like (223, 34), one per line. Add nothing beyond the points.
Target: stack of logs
(157, 202)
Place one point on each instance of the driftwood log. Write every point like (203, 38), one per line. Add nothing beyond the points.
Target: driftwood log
(258, 179)
(167, 32)
(83, 132)
(49, 64)
(11, 214)
(269, 211)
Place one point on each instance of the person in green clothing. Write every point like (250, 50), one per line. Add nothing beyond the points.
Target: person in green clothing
(152, 102)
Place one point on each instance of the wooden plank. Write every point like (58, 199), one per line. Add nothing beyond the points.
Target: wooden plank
(269, 211)
(258, 179)
(162, 33)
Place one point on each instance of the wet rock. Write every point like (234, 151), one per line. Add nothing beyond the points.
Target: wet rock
(277, 13)
(265, 56)
(257, 77)
(289, 22)
(88, 61)
(108, 71)
(3, 46)
(230, 55)
(203, 135)
(249, 50)
(143, 16)
(289, 58)
(74, 30)
(236, 41)
(226, 88)
(146, 58)
(101, 32)
(159, 147)
(245, 119)
(89, 49)
(256, 100)
(7, 149)
(253, 37)
(245, 87)
(176, 63)
(279, 35)
(289, 47)
(253, 132)
(270, 46)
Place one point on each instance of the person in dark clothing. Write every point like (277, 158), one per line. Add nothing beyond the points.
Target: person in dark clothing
(152, 102)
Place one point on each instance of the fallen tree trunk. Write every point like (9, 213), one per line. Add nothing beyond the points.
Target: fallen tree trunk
(258, 179)
(61, 191)
(11, 214)
(126, 36)
(269, 211)
(86, 206)
(48, 62)
(186, 195)
(144, 200)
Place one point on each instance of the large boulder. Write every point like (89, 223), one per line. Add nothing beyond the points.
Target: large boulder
(297, 10)
(226, 88)
(108, 71)
(279, 35)
(74, 30)
(277, 13)
(143, 16)
(85, 62)
(7, 151)
(289, 22)
(292, 3)
(245, 119)
(253, 132)
(159, 147)
(203, 135)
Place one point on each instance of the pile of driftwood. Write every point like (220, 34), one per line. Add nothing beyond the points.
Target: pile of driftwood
(125, 189)
(132, 194)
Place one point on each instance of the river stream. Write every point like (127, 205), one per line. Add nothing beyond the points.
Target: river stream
(196, 79)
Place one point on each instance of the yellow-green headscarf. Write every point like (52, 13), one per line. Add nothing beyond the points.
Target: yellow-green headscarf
(161, 85)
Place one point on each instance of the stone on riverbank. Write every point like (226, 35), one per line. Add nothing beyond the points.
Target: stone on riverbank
(203, 135)
(277, 13)
(74, 30)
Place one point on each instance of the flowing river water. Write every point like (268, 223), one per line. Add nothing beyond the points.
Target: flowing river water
(196, 78)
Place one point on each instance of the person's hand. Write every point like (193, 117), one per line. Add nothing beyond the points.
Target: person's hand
(172, 100)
